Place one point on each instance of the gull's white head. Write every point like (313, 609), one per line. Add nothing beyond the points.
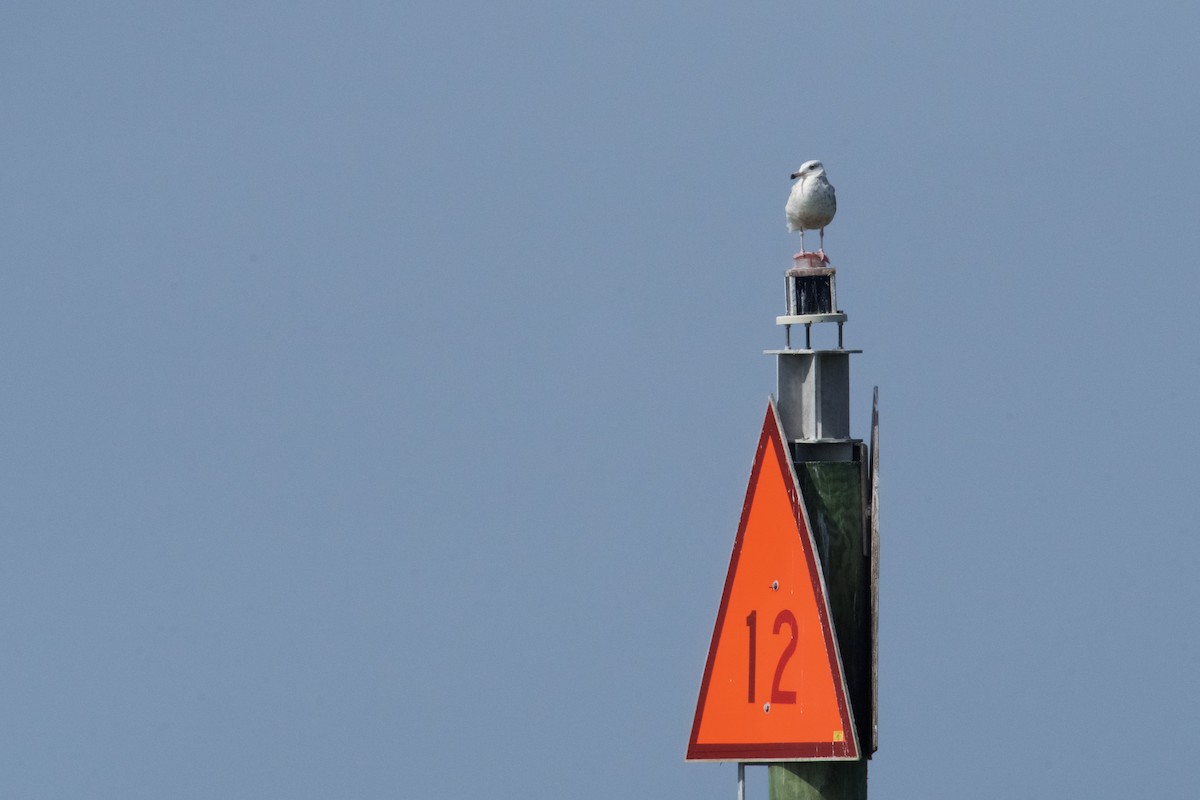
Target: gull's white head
(809, 168)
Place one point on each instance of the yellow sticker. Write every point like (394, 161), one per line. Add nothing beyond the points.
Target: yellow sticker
(838, 736)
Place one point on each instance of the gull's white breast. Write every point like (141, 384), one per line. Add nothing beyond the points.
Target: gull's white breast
(812, 203)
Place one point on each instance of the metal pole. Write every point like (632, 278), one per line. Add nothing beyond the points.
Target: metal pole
(741, 781)
(814, 406)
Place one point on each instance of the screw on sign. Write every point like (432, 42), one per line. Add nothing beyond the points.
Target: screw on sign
(773, 686)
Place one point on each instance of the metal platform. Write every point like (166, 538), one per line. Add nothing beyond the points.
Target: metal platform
(808, 319)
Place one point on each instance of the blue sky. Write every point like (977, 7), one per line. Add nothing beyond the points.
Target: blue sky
(382, 381)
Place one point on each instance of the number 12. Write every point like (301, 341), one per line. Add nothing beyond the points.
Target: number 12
(784, 617)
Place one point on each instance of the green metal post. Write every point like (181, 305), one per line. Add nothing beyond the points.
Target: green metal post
(833, 495)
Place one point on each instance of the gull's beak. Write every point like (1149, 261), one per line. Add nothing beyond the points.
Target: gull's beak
(795, 175)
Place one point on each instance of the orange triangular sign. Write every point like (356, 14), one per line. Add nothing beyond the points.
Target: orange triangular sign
(773, 686)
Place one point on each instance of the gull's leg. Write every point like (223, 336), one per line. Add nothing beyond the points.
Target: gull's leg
(821, 247)
(802, 250)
